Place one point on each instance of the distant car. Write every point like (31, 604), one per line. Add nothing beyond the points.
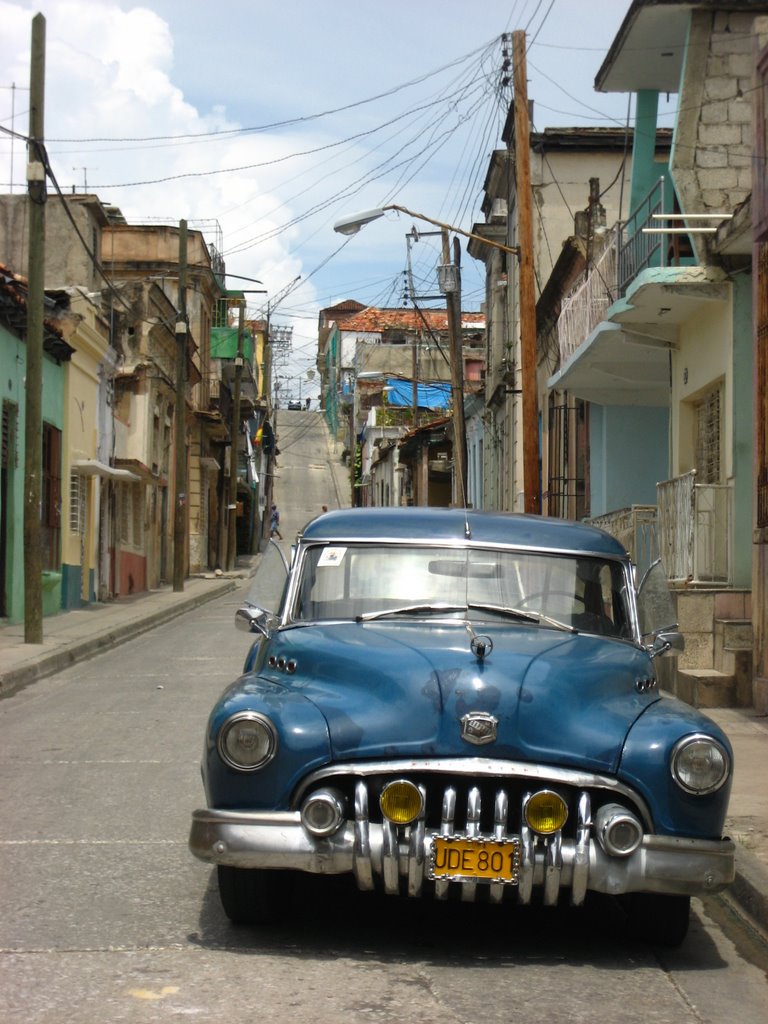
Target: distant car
(462, 702)
(294, 403)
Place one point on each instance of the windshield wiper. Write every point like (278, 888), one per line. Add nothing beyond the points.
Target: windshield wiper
(518, 613)
(438, 607)
(411, 609)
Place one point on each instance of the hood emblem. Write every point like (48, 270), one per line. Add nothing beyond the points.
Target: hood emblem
(481, 646)
(478, 727)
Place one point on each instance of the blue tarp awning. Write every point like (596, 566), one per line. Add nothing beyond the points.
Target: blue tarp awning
(428, 396)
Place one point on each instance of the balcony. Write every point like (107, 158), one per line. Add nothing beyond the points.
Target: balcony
(696, 531)
(628, 251)
(587, 304)
(617, 328)
(690, 529)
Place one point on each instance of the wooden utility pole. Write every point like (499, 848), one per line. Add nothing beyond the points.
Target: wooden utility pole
(234, 449)
(453, 308)
(415, 377)
(33, 421)
(527, 292)
(180, 505)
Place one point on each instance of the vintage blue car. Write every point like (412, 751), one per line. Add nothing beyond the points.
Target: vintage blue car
(459, 704)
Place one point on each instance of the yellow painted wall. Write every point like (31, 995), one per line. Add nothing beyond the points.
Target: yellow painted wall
(703, 358)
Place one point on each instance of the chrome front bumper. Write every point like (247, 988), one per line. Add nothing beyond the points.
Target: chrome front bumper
(381, 856)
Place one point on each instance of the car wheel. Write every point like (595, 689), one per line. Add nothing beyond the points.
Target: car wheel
(657, 919)
(252, 896)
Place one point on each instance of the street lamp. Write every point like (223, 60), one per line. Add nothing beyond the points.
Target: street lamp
(450, 283)
(351, 224)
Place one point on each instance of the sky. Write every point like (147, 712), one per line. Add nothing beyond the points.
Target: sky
(262, 122)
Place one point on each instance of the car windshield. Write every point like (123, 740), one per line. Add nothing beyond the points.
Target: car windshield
(367, 581)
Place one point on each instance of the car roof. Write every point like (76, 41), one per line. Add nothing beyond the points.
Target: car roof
(450, 525)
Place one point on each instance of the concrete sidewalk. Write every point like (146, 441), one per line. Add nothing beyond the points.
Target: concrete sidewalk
(76, 635)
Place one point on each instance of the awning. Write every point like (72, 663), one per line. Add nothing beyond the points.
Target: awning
(92, 467)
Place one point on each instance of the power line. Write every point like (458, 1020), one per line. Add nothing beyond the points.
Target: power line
(304, 119)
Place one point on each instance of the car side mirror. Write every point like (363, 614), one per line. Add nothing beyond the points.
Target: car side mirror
(252, 619)
(667, 641)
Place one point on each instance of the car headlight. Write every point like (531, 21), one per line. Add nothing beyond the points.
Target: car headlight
(618, 830)
(247, 741)
(700, 764)
(401, 802)
(545, 812)
(323, 812)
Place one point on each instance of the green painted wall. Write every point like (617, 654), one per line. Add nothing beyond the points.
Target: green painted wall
(645, 170)
(13, 363)
(13, 368)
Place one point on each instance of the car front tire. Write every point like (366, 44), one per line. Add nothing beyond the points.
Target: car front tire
(251, 896)
(657, 919)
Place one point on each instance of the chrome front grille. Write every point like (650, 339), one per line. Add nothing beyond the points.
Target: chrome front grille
(477, 796)
(396, 856)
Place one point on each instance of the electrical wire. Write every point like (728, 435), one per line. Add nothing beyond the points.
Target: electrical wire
(304, 119)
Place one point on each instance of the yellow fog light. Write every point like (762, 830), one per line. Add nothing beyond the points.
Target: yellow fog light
(401, 802)
(546, 812)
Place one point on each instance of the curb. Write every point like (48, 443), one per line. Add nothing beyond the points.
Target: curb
(749, 889)
(79, 650)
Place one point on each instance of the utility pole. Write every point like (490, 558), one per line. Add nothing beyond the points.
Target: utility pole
(33, 421)
(453, 308)
(415, 377)
(235, 444)
(527, 292)
(180, 505)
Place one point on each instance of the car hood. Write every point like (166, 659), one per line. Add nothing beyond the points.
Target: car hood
(401, 690)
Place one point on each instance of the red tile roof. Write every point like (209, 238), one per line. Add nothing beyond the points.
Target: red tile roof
(375, 321)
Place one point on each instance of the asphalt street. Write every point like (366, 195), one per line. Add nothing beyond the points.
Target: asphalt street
(105, 916)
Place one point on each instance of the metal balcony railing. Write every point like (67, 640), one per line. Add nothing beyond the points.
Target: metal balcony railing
(628, 251)
(696, 530)
(588, 303)
(636, 249)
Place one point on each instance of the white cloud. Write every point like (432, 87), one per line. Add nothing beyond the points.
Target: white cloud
(109, 75)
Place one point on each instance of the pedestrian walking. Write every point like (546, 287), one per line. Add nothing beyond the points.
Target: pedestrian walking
(274, 522)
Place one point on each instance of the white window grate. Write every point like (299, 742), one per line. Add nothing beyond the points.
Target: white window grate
(76, 503)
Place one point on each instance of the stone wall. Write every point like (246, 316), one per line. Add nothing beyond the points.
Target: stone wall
(712, 159)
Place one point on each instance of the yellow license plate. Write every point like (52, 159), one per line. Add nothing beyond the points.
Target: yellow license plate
(462, 859)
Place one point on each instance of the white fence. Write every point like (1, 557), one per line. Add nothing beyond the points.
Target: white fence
(695, 530)
(587, 304)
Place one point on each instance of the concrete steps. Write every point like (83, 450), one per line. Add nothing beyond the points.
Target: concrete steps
(727, 681)
(705, 688)
(715, 671)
